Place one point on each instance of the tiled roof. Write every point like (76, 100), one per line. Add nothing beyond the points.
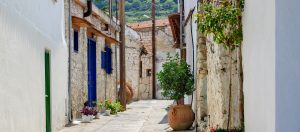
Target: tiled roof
(148, 24)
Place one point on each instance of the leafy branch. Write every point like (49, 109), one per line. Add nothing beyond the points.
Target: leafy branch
(222, 20)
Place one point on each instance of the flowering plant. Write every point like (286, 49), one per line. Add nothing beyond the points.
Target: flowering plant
(113, 106)
(107, 104)
(86, 110)
(100, 105)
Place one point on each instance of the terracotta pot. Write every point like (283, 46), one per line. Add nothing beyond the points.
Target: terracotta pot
(181, 117)
(129, 92)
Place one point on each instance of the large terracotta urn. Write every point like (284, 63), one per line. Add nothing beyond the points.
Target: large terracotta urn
(129, 92)
(181, 117)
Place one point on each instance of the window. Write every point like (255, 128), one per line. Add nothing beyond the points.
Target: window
(141, 69)
(76, 41)
(148, 72)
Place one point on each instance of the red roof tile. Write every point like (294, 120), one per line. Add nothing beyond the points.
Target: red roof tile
(148, 24)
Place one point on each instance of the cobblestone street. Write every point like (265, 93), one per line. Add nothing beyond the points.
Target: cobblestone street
(141, 116)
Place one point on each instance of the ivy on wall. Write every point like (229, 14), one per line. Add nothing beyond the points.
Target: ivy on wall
(223, 20)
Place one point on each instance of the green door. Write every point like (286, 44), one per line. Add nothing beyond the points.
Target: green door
(47, 92)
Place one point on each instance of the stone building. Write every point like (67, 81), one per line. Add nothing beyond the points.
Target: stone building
(164, 46)
(132, 53)
(212, 103)
(93, 56)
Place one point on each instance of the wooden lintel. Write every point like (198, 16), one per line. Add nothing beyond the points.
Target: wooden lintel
(174, 20)
(80, 22)
(190, 15)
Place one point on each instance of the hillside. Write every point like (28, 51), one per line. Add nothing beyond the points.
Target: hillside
(140, 10)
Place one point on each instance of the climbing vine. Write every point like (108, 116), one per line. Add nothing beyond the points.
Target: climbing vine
(223, 20)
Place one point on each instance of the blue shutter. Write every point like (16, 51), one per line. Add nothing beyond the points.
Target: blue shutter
(103, 60)
(109, 60)
(76, 41)
(106, 61)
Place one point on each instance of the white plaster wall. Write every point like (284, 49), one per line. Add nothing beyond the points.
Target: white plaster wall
(191, 36)
(287, 65)
(259, 65)
(27, 29)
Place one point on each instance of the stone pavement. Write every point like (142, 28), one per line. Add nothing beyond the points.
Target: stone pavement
(140, 116)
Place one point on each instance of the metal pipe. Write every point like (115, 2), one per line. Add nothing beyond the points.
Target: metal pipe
(153, 52)
(70, 116)
(90, 8)
(116, 53)
(191, 22)
(181, 25)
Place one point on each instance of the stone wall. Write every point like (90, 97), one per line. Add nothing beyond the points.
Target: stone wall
(132, 53)
(201, 89)
(106, 84)
(79, 74)
(218, 61)
(164, 46)
(145, 90)
(213, 86)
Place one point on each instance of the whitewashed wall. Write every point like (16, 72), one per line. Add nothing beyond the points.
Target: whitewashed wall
(27, 30)
(287, 66)
(259, 65)
(191, 37)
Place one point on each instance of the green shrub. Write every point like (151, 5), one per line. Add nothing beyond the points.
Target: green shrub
(176, 79)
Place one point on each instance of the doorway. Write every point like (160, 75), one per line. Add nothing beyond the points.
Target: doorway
(92, 72)
(47, 91)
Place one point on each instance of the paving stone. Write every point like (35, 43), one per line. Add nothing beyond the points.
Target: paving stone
(140, 116)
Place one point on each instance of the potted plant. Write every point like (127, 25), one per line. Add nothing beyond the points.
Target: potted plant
(101, 107)
(96, 109)
(115, 107)
(176, 80)
(95, 113)
(87, 115)
(107, 104)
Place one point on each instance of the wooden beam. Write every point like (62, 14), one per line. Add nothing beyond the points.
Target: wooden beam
(122, 55)
(80, 22)
(174, 20)
(190, 15)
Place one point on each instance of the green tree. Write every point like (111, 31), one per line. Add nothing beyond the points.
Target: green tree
(136, 4)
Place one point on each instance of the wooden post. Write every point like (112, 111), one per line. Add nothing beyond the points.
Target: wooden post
(153, 52)
(122, 55)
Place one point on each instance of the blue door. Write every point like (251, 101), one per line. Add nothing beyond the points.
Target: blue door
(92, 72)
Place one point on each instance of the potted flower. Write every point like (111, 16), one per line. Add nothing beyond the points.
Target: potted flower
(176, 80)
(101, 107)
(95, 110)
(108, 105)
(87, 115)
(95, 113)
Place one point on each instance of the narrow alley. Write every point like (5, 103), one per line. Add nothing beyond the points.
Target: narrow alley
(149, 65)
(140, 116)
